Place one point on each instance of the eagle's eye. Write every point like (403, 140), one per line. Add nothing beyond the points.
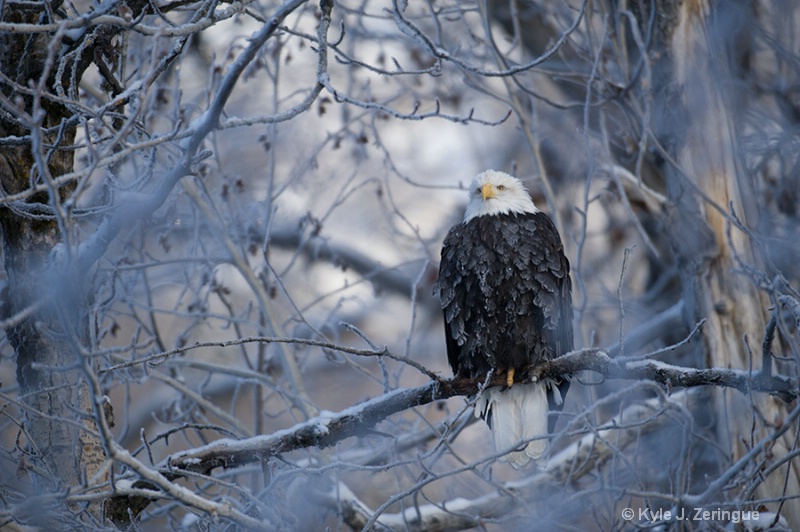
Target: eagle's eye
(501, 187)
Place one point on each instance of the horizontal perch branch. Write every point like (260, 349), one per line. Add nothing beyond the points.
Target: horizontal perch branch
(329, 428)
(670, 376)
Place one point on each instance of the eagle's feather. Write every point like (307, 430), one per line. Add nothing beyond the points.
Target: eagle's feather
(505, 292)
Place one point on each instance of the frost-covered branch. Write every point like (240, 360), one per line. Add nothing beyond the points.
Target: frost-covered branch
(322, 431)
(582, 456)
(667, 374)
(564, 468)
(138, 205)
(329, 428)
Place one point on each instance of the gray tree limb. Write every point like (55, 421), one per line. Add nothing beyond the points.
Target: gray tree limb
(329, 428)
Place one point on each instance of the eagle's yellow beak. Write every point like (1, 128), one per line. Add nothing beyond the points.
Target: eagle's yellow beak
(488, 192)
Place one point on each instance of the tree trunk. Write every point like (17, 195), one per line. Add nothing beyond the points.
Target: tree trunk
(708, 246)
(48, 321)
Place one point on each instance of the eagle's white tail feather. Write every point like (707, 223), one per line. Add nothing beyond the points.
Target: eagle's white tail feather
(517, 413)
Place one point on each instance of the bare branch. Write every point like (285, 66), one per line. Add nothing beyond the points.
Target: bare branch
(329, 428)
(135, 206)
(668, 375)
(566, 466)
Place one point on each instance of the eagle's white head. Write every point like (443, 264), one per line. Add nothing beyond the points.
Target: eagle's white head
(493, 192)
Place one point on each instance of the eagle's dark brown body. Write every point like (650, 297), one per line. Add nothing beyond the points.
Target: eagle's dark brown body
(506, 295)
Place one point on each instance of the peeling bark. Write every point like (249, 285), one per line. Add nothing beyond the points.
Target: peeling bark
(710, 189)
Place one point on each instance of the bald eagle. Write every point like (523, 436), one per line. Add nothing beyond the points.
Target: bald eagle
(506, 295)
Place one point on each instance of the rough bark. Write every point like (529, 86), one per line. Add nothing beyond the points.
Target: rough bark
(45, 324)
(706, 191)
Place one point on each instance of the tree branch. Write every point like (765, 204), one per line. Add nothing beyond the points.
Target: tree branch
(668, 375)
(329, 428)
(582, 456)
(135, 206)
(316, 247)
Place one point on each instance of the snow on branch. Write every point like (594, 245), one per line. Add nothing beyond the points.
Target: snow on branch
(668, 375)
(329, 428)
(322, 431)
(584, 455)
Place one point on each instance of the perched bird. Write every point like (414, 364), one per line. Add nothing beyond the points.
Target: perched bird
(506, 294)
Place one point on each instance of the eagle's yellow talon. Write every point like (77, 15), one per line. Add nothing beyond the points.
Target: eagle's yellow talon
(510, 377)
